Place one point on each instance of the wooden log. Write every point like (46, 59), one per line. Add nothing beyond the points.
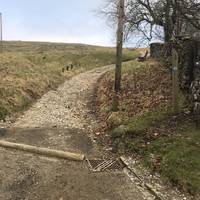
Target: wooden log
(43, 151)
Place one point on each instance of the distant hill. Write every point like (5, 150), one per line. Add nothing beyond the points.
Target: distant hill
(44, 46)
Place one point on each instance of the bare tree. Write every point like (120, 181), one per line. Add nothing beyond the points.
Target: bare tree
(146, 16)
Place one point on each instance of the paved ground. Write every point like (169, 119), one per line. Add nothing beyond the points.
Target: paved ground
(61, 120)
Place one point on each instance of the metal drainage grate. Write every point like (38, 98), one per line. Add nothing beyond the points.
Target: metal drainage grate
(105, 165)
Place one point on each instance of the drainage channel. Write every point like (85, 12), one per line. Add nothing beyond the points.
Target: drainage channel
(101, 165)
(118, 165)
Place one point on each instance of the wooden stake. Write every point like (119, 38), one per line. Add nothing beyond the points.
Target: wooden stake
(42, 151)
(175, 83)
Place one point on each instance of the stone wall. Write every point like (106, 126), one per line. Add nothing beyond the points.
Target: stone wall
(188, 66)
(195, 86)
(160, 50)
(189, 70)
(186, 54)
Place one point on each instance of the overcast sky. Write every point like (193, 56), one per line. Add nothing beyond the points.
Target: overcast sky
(55, 21)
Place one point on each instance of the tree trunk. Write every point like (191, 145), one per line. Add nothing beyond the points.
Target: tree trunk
(168, 32)
(168, 25)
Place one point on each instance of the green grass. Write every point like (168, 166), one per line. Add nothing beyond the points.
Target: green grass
(138, 124)
(176, 156)
(132, 132)
(29, 69)
(179, 159)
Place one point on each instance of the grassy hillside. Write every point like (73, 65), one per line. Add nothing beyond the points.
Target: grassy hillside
(146, 127)
(28, 69)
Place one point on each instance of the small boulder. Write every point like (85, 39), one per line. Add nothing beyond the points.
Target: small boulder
(119, 132)
(114, 119)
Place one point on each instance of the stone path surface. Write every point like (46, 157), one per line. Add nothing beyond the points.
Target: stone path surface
(61, 120)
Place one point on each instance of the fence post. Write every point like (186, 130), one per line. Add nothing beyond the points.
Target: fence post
(175, 82)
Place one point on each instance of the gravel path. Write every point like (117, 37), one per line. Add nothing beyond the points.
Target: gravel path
(67, 106)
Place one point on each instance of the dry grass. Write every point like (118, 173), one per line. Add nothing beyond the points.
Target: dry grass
(29, 69)
(140, 90)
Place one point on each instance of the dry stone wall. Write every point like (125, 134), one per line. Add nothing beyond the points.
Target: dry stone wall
(188, 66)
(186, 53)
(189, 70)
(160, 50)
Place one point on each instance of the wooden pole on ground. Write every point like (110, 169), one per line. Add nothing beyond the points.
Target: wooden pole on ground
(42, 151)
